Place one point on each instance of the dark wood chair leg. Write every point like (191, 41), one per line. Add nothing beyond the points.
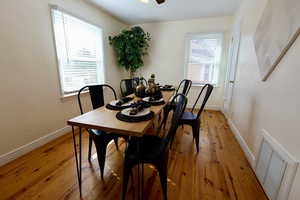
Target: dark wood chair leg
(196, 133)
(90, 147)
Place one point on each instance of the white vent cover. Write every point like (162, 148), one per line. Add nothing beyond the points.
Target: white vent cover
(275, 168)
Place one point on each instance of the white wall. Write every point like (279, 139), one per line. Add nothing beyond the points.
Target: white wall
(167, 52)
(273, 105)
(30, 105)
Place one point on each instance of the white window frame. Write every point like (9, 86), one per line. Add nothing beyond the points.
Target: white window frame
(59, 70)
(201, 35)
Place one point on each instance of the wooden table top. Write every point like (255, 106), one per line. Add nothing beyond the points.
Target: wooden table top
(105, 119)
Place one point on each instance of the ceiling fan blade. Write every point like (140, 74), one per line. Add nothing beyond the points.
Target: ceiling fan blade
(160, 1)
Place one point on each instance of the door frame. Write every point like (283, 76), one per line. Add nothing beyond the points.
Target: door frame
(233, 56)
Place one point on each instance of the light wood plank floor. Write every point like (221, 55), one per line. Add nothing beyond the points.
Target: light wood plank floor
(219, 171)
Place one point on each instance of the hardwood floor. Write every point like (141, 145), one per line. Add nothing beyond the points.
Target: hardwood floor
(219, 171)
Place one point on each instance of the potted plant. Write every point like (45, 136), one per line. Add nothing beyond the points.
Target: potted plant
(130, 46)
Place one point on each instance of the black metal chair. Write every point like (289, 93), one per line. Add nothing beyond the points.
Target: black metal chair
(128, 86)
(183, 88)
(100, 138)
(192, 119)
(153, 149)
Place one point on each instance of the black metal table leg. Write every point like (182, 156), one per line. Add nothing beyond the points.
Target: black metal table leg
(78, 164)
(142, 181)
(140, 177)
(138, 151)
(80, 160)
(141, 150)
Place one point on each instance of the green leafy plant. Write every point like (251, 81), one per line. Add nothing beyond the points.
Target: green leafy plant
(130, 46)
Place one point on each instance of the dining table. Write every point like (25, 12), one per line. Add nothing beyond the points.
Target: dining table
(104, 119)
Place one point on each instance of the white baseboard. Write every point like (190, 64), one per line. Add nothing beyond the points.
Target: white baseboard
(250, 156)
(207, 107)
(14, 154)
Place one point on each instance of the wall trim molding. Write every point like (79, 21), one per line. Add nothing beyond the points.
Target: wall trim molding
(249, 155)
(20, 151)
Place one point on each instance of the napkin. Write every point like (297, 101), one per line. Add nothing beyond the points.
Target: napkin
(123, 100)
(136, 110)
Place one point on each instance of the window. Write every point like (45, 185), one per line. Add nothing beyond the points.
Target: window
(203, 58)
(79, 52)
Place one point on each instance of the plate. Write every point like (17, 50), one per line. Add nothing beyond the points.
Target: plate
(113, 103)
(142, 113)
(147, 100)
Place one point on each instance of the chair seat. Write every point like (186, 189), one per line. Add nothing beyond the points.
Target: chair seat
(97, 132)
(102, 133)
(151, 148)
(188, 116)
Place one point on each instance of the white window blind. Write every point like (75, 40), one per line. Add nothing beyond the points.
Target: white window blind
(79, 51)
(203, 58)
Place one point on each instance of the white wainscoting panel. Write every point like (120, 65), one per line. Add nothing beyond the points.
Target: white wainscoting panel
(275, 168)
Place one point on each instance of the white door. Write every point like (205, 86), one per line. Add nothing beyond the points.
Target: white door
(232, 67)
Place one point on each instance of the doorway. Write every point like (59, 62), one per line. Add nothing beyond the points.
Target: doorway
(231, 68)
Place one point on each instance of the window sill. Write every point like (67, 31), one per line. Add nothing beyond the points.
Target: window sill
(201, 85)
(72, 95)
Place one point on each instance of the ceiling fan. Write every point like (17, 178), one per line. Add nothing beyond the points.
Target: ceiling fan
(158, 1)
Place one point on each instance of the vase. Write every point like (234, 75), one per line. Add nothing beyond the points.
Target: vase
(152, 87)
(140, 89)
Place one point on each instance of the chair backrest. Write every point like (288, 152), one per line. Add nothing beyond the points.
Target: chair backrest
(140, 79)
(128, 86)
(96, 95)
(184, 87)
(179, 101)
(208, 88)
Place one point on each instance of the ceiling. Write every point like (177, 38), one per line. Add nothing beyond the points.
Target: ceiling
(136, 12)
